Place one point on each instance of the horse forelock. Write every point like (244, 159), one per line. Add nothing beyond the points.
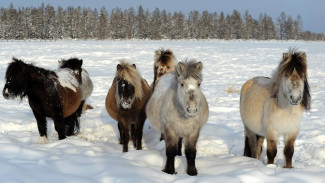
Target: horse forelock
(293, 60)
(132, 76)
(190, 71)
(164, 56)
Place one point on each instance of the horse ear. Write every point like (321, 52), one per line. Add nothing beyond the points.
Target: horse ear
(134, 66)
(81, 62)
(118, 67)
(199, 66)
(180, 68)
(304, 56)
(285, 56)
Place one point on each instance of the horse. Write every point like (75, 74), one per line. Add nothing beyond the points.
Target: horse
(86, 87)
(55, 94)
(165, 61)
(271, 107)
(126, 101)
(178, 108)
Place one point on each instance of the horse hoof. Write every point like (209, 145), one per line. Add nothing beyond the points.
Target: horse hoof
(192, 171)
(43, 140)
(169, 171)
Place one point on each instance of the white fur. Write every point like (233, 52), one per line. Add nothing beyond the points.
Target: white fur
(43, 140)
(67, 79)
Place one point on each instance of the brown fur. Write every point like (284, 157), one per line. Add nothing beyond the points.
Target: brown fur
(165, 61)
(130, 121)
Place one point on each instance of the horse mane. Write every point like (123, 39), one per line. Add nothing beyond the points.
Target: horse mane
(72, 63)
(164, 56)
(292, 60)
(129, 73)
(190, 69)
(17, 63)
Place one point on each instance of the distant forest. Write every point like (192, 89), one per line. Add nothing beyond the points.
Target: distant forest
(49, 23)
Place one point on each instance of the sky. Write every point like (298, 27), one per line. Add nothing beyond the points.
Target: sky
(311, 11)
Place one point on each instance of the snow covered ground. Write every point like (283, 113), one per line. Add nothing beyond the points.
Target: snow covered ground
(95, 155)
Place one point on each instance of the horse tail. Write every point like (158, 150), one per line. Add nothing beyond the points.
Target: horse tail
(247, 150)
(133, 134)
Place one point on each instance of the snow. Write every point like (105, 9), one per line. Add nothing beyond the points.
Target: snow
(67, 79)
(95, 155)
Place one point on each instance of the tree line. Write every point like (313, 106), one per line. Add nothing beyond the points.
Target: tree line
(47, 22)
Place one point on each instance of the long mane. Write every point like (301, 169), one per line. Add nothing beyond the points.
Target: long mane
(129, 73)
(292, 60)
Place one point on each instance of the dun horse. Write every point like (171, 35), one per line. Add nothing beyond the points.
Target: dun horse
(126, 101)
(165, 61)
(54, 94)
(271, 107)
(86, 87)
(178, 108)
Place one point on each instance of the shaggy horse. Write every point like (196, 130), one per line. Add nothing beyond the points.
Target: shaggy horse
(271, 107)
(165, 61)
(126, 101)
(54, 94)
(86, 87)
(178, 108)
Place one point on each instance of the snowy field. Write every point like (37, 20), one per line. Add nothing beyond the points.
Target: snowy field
(94, 155)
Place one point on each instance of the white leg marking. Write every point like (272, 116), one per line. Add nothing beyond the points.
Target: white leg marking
(43, 140)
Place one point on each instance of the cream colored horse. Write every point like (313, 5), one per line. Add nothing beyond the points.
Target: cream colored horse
(271, 107)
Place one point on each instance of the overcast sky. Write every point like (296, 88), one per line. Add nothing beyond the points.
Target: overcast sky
(311, 11)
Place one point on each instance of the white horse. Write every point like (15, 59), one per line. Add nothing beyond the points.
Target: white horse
(178, 108)
(271, 107)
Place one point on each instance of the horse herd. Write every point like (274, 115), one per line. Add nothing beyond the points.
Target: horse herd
(174, 103)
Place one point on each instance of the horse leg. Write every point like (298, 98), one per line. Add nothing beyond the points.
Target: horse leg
(260, 140)
(140, 133)
(271, 149)
(179, 148)
(289, 150)
(121, 130)
(171, 151)
(190, 152)
(250, 144)
(60, 127)
(42, 127)
(126, 136)
(134, 134)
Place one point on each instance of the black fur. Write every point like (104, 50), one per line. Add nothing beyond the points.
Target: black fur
(44, 96)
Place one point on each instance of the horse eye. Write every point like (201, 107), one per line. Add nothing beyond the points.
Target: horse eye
(168, 67)
(199, 84)
(182, 84)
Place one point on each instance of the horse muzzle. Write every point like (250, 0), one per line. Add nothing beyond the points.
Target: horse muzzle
(126, 104)
(295, 100)
(191, 111)
(6, 94)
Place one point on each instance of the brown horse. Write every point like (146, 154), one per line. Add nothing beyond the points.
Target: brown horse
(54, 94)
(165, 61)
(271, 107)
(126, 101)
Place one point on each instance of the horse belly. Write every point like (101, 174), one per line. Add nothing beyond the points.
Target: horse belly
(71, 102)
(252, 101)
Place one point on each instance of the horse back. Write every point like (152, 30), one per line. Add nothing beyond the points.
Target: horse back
(254, 94)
